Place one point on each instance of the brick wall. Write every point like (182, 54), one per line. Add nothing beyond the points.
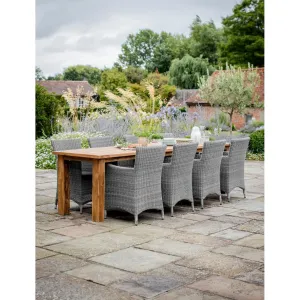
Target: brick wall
(238, 120)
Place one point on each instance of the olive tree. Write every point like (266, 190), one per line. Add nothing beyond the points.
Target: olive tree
(232, 90)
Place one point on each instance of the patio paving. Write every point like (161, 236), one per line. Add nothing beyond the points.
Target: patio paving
(212, 254)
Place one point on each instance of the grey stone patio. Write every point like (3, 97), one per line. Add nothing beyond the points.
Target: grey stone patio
(212, 254)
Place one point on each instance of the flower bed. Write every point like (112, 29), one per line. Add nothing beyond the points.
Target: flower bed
(44, 159)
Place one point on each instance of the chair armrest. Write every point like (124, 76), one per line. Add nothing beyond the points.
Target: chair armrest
(118, 171)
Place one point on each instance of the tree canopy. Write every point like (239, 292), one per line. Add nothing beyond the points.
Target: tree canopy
(83, 72)
(39, 74)
(184, 73)
(244, 34)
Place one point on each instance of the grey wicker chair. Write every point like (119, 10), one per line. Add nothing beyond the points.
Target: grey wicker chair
(176, 179)
(232, 166)
(80, 174)
(131, 138)
(206, 171)
(102, 141)
(136, 189)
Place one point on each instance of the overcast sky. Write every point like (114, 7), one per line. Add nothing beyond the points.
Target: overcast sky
(70, 32)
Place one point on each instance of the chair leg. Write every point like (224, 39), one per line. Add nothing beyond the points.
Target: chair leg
(193, 206)
(172, 211)
(136, 220)
(80, 208)
(202, 203)
(228, 197)
(244, 192)
(220, 199)
(162, 214)
(105, 214)
(56, 202)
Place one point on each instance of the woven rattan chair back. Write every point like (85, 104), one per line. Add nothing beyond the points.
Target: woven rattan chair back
(238, 149)
(102, 141)
(61, 145)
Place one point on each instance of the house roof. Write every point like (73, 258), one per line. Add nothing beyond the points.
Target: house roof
(192, 96)
(59, 86)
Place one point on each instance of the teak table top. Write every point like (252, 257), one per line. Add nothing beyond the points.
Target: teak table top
(108, 153)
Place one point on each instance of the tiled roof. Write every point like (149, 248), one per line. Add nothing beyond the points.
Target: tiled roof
(59, 86)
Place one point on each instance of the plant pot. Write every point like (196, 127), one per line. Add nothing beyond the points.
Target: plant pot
(157, 141)
(143, 141)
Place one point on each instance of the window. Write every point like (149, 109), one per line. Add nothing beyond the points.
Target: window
(248, 119)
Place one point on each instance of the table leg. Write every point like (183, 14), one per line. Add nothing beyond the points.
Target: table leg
(63, 186)
(98, 192)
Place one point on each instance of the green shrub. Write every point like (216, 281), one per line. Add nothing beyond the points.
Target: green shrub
(257, 123)
(255, 156)
(47, 110)
(257, 141)
(167, 92)
(44, 159)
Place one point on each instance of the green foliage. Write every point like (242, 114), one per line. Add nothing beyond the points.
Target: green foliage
(81, 72)
(111, 80)
(184, 73)
(255, 156)
(205, 38)
(257, 141)
(47, 109)
(44, 159)
(134, 74)
(57, 76)
(257, 123)
(167, 92)
(244, 34)
(39, 74)
(156, 136)
(138, 49)
(232, 90)
(156, 79)
(139, 90)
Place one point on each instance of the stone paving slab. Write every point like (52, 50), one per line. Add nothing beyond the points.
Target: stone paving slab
(145, 232)
(242, 252)
(99, 274)
(50, 209)
(42, 200)
(200, 239)
(188, 294)
(46, 185)
(254, 226)
(170, 276)
(135, 260)
(248, 214)
(168, 222)
(66, 287)
(253, 241)
(44, 238)
(230, 219)
(81, 230)
(220, 264)
(43, 253)
(48, 193)
(195, 216)
(207, 227)
(90, 246)
(255, 276)
(56, 264)
(59, 223)
(231, 288)
(216, 211)
(249, 204)
(231, 234)
(42, 217)
(173, 247)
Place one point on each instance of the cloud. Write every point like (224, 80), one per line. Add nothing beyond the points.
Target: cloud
(91, 32)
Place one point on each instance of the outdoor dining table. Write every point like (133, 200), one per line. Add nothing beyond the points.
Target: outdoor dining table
(98, 156)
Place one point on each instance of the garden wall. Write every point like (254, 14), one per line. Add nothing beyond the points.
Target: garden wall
(238, 120)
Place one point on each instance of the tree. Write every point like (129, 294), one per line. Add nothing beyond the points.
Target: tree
(138, 49)
(205, 38)
(134, 74)
(47, 109)
(39, 74)
(81, 72)
(244, 34)
(111, 80)
(57, 76)
(232, 90)
(184, 73)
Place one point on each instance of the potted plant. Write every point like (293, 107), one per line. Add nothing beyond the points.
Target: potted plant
(143, 137)
(157, 138)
